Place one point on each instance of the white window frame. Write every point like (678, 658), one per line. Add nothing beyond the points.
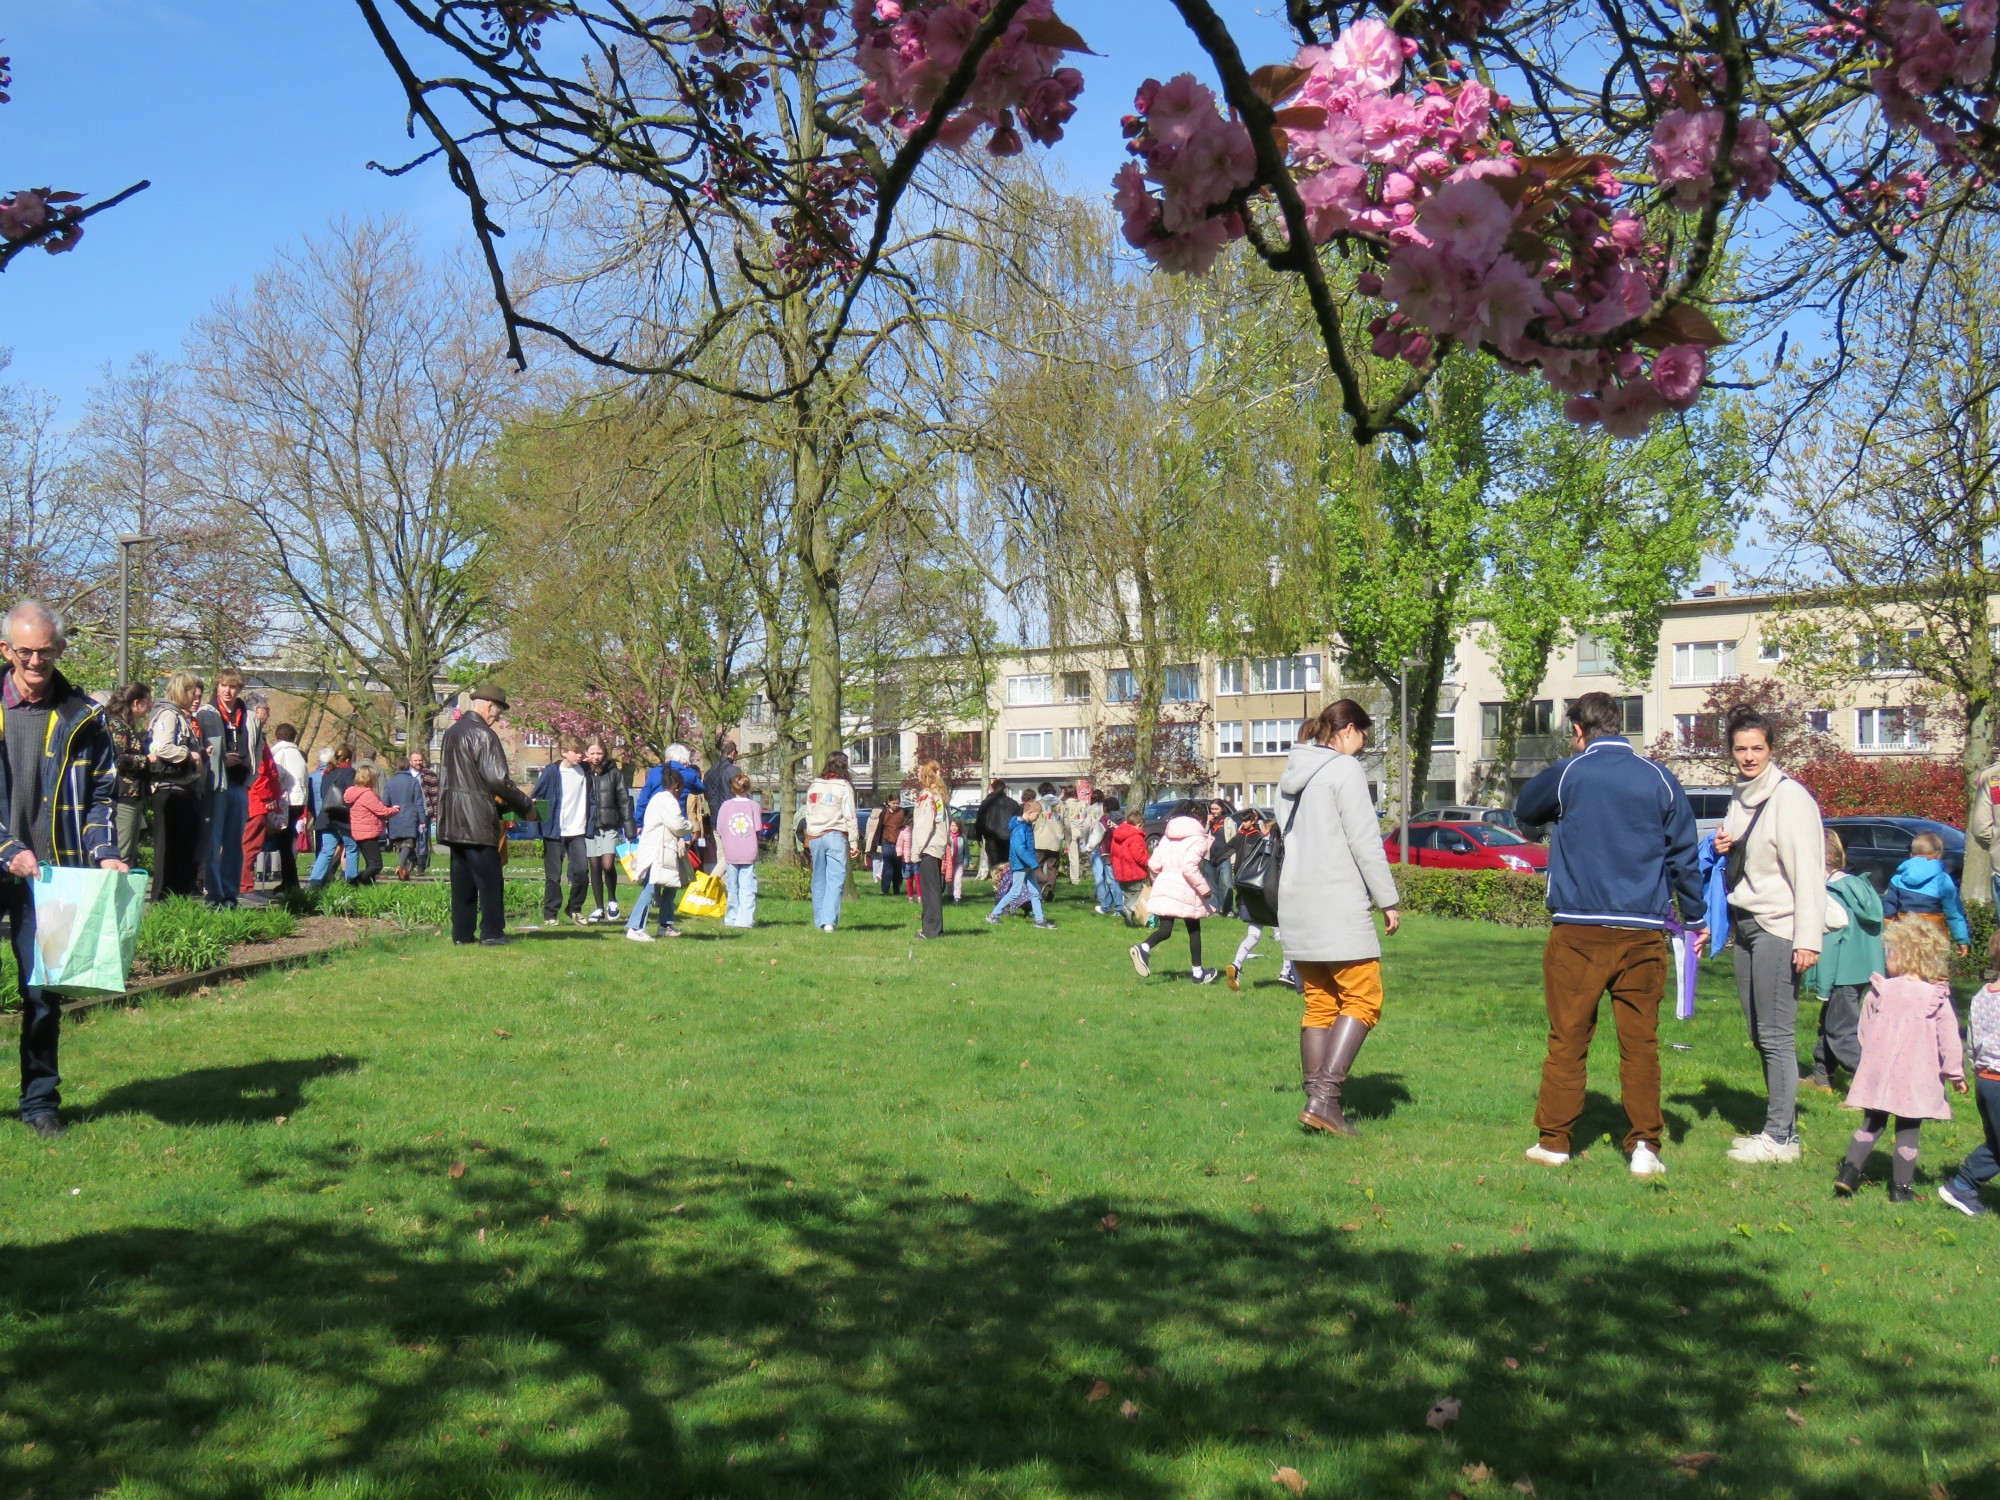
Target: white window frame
(1229, 737)
(1449, 722)
(1685, 661)
(1869, 723)
(1282, 729)
(1285, 674)
(1074, 743)
(1020, 694)
(1229, 679)
(1264, 794)
(1769, 652)
(1069, 678)
(1045, 741)
(1868, 652)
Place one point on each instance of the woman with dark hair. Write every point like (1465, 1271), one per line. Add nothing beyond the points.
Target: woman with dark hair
(832, 835)
(611, 824)
(1774, 845)
(131, 706)
(1335, 873)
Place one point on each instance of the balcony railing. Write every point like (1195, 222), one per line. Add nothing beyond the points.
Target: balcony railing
(1529, 747)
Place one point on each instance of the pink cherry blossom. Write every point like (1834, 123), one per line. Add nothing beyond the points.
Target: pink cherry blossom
(1628, 410)
(1467, 220)
(1368, 55)
(1678, 371)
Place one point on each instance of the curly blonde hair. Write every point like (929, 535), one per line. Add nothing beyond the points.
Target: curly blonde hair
(1919, 946)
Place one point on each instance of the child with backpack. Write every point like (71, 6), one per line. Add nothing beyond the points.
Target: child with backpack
(1982, 1028)
(1849, 956)
(1909, 1049)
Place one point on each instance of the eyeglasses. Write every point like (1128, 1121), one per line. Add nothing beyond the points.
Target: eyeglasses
(34, 653)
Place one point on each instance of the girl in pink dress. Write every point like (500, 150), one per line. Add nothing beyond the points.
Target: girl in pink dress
(1909, 1050)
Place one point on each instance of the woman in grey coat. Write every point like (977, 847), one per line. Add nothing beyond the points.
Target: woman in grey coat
(1335, 876)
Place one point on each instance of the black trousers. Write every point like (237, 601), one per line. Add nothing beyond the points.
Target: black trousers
(288, 851)
(555, 853)
(477, 896)
(41, 1012)
(892, 868)
(371, 860)
(930, 886)
(176, 843)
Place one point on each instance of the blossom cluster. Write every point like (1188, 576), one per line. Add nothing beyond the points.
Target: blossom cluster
(1683, 150)
(1473, 244)
(37, 213)
(908, 49)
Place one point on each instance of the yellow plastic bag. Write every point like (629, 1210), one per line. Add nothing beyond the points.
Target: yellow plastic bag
(704, 897)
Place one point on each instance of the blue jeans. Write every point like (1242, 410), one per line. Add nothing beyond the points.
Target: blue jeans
(1025, 888)
(41, 1014)
(1983, 1165)
(223, 867)
(829, 877)
(637, 921)
(329, 843)
(740, 882)
(1110, 895)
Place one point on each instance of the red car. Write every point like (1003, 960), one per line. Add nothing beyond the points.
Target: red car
(1469, 846)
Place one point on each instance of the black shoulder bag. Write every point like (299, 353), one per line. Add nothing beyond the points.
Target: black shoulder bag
(1261, 866)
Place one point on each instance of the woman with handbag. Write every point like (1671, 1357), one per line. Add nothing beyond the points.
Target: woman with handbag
(1334, 877)
(179, 757)
(657, 864)
(610, 796)
(1255, 859)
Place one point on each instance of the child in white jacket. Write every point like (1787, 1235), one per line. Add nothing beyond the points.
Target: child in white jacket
(657, 865)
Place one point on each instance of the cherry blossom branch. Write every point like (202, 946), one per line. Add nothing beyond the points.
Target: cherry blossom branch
(59, 227)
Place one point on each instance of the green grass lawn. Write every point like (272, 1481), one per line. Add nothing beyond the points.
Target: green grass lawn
(783, 1213)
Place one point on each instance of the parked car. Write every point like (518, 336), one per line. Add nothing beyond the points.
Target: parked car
(1711, 806)
(1154, 821)
(1468, 846)
(1875, 846)
(1501, 817)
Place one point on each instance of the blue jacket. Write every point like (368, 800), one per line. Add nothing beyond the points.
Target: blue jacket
(1021, 844)
(1715, 892)
(549, 785)
(1924, 887)
(405, 792)
(656, 778)
(1623, 851)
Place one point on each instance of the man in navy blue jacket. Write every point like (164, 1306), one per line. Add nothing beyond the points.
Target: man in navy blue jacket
(1621, 858)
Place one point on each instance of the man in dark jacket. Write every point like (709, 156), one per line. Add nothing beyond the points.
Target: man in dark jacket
(473, 785)
(721, 776)
(996, 814)
(58, 785)
(1622, 857)
(404, 791)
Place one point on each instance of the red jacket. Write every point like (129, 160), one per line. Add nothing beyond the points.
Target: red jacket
(264, 789)
(1129, 854)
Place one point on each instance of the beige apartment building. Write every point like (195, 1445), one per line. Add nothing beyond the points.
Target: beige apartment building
(1049, 711)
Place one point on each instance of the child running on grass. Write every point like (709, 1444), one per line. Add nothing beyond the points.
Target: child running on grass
(1983, 1028)
(1909, 1047)
(1179, 889)
(1129, 855)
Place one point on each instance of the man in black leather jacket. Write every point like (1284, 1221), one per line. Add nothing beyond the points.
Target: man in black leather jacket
(472, 787)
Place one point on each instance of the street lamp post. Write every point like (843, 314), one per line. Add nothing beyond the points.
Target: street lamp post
(127, 540)
(1403, 670)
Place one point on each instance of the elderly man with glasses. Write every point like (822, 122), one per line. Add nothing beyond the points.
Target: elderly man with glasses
(58, 789)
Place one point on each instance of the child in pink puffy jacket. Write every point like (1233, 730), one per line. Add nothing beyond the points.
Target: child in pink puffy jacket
(1179, 889)
(1909, 1050)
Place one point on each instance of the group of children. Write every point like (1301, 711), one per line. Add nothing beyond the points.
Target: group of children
(1886, 1018)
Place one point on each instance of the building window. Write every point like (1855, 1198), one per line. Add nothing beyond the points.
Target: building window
(1769, 650)
(1819, 720)
(1076, 744)
(1031, 744)
(1228, 679)
(1704, 661)
(1885, 651)
(1035, 687)
(1593, 657)
(1183, 684)
(1120, 686)
(1890, 729)
(535, 739)
(1264, 794)
(1635, 714)
(1230, 792)
(1229, 739)
(1076, 687)
(1444, 732)
(1697, 731)
(1181, 742)
(1285, 674)
(1271, 736)
(1540, 718)
(860, 754)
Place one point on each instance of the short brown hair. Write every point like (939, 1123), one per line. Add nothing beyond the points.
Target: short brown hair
(229, 677)
(285, 732)
(1836, 851)
(739, 785)
(1917, 945)
(569, 742)
(1927, 846)
(1597, 715)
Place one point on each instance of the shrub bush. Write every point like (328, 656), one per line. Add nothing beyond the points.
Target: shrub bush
(782, 880)
(1499, 896)
(181, 934)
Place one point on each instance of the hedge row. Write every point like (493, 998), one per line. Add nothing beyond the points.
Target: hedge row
(1500, 896)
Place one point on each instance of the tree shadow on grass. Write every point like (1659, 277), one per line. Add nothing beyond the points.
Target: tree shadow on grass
(252, 1093)
(1724, 1101)
(717, 1328)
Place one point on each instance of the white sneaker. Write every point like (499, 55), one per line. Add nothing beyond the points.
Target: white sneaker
(1760, 1148)
(826, 927)
(633, 934)
(1141, 959)
(1100, 911)
(1539, 1152)
(611, 910)
(596, 915)
(1646, 1162)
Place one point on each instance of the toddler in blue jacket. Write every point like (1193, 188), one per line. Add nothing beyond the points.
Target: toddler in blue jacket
(1923, 887)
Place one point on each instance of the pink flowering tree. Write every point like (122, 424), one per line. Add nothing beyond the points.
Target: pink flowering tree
(1550, 185)
(43, 216)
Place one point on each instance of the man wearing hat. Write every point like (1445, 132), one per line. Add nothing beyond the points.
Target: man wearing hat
(472, 785)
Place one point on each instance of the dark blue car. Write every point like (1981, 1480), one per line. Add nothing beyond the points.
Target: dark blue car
(1876, 846)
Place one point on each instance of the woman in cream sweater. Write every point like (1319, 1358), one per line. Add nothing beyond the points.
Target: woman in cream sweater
(1776, 848)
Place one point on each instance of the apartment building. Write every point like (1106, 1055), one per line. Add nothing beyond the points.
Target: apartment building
(1056, 715)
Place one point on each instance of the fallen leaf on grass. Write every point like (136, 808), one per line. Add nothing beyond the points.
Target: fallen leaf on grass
(1794, 1418)
(1524, 1486)
(482, 1236)
(1099, 1389)
(1442, 1415)
(1939, 1492)
(1251, 1178)
(497, 1031)
(279, 1120)
(1511, 1363)
(1129, 1410)
(456, 1169)
(1694, 1463)
(1477, 1473)
(1291, 1479)
(604, 1140)
(1108, 1223)
(678, 1207)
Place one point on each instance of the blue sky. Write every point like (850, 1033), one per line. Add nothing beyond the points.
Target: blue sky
(255, 121)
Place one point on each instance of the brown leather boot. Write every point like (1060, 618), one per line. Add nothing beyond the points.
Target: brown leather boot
(1348, 1034)
(1315, 1043)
